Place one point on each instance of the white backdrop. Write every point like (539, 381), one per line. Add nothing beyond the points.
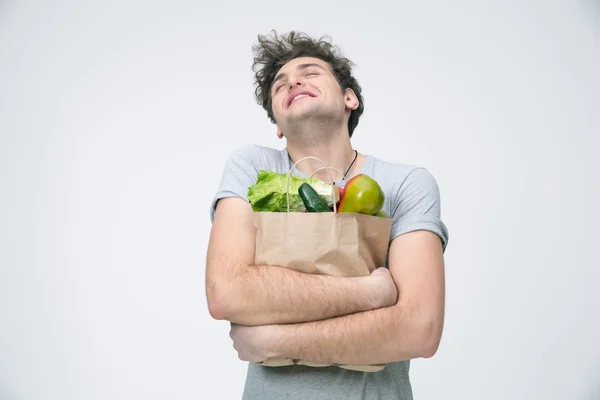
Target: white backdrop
(116, 118)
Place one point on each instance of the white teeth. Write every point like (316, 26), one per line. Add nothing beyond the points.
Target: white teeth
(297, 97)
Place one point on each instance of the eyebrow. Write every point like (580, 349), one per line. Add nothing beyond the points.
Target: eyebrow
(299, 67)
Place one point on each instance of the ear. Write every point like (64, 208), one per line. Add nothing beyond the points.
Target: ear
(279, 133)
(350, 99)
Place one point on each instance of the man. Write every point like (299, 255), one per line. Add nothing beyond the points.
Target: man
(392, 316)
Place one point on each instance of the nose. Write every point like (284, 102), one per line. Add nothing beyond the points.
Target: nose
(294, 82)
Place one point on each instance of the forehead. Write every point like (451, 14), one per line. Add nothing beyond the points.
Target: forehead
(297, 62)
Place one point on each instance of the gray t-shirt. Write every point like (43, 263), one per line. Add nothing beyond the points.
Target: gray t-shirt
(412, 200)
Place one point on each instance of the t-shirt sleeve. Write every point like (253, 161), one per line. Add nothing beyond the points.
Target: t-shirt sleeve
(417, 206)
(239, 173)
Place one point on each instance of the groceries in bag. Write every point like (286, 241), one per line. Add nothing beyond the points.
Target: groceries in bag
(361, 195)
(314, 227)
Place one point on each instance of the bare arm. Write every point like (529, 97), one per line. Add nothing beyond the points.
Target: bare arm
(248, 294)
(409, 329)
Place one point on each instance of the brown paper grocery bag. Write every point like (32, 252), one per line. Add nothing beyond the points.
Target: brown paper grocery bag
(330, 243)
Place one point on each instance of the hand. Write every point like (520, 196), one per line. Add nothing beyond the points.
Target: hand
(251, 342)
(386, 287)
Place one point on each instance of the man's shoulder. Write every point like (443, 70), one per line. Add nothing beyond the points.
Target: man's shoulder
(256, 152)
(396, 166)
(394, 173)
(255, 157)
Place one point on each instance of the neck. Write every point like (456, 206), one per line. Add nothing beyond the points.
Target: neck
(336, 152)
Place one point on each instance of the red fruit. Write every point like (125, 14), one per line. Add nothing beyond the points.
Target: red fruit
(363, 195)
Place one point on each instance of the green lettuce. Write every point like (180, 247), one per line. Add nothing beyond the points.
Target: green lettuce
(269, 192)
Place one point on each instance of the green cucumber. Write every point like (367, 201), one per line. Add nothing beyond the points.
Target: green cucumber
(312, 201)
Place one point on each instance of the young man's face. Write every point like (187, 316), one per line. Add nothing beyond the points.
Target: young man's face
(306, 88)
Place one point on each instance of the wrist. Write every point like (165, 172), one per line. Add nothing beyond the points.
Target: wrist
(274, 338)
(374, 293)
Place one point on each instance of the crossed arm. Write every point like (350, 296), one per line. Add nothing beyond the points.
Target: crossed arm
(322, 318)
(248, 294)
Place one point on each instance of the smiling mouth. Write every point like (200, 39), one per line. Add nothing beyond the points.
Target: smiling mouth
(299, 97)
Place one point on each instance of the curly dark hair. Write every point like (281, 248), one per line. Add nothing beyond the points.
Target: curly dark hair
(273, 53)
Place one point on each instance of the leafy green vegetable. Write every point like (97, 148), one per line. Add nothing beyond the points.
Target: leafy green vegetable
(269, 192)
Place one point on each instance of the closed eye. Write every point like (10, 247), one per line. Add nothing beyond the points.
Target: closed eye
(278, 88)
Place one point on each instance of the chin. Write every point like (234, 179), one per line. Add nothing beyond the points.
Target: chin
(308, 114)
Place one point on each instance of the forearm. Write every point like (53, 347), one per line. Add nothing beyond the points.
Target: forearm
(380, 336)
(262, 295)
